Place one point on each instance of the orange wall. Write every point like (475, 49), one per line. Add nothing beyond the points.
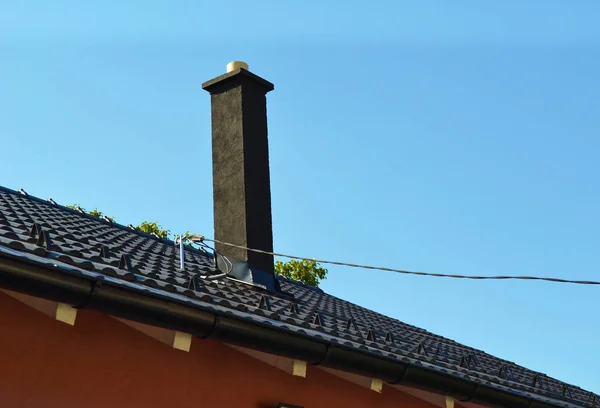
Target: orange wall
(102, 363)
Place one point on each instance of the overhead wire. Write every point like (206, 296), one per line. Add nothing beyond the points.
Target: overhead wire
(200, 238)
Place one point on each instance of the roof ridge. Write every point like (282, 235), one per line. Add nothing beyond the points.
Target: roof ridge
(117, 225)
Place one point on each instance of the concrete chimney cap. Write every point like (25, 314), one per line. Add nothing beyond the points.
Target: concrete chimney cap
(233, 65)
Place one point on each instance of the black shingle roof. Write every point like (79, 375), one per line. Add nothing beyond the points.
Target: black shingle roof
(93, 245)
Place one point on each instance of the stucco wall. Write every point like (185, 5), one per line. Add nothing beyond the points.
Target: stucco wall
(103, 363)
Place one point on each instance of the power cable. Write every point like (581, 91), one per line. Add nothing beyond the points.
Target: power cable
(200, 238)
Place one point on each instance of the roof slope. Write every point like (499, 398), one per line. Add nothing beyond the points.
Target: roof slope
(76, 240)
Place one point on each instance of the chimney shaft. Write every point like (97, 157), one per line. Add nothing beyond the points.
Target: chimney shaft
(241, 180)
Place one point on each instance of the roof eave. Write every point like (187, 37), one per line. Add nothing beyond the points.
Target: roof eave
(123, 301)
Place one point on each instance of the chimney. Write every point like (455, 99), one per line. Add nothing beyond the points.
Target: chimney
(241, 181)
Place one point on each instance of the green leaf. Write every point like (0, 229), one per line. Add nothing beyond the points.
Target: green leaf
(306, 271)
(153, 227)
(76, 207)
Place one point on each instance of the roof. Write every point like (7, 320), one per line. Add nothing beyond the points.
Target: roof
(82, 244)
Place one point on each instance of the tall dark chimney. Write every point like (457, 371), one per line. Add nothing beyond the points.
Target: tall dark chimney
(241, 181)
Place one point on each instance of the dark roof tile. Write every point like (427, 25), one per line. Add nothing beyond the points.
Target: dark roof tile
(58, 234)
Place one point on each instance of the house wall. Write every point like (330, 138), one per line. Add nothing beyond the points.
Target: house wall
(100, 362)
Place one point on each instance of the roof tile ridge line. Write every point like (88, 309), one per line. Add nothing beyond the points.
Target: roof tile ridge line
(302, 284)
(91, 217)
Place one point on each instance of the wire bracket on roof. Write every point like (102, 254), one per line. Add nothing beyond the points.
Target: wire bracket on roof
(422, 349)
(293, 308)
(44, 240)
(464, 363)
(440, 352)
(537, 380)
(317, 319)
(469, 362)
(505, 372)
(35, 230)
(264, 303)
(351, 325)
(194, 283)
(43, 237)
(196, 238)
(104, 252)
(125, 263)
(389, 337)
(371, 335)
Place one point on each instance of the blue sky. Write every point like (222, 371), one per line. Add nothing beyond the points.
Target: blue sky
(450, 137)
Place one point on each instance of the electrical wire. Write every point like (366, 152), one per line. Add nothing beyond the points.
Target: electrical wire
(200, 238)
